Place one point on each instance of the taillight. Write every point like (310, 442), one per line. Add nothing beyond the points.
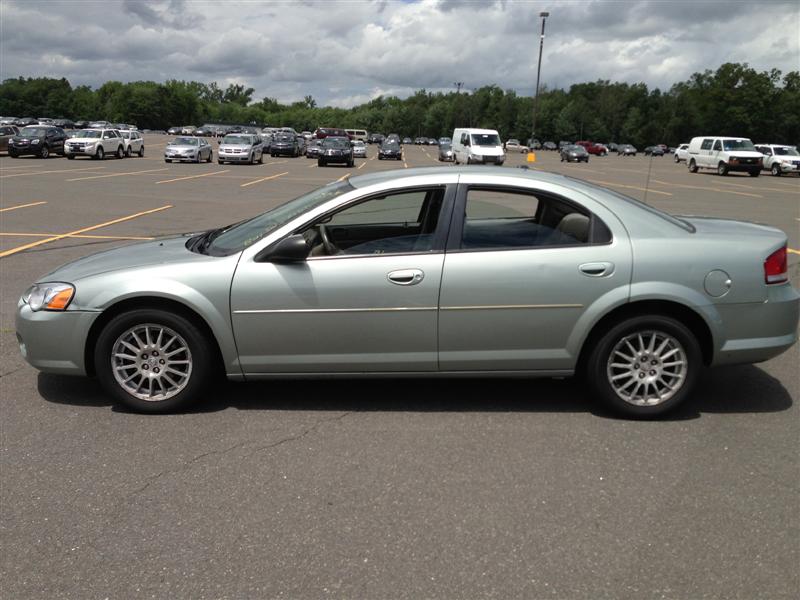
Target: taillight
(775, 268)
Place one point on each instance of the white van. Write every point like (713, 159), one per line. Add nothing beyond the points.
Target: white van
(724, 154)
(477, 146)
(357, 134)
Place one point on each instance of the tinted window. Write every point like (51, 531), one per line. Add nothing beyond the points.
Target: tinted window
(396, 223)
(717, 145)
(498, 219)
(706, 144)
(738, 145)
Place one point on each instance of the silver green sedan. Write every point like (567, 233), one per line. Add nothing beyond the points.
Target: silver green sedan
(425, 272)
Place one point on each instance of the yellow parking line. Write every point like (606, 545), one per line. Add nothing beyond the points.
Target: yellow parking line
(90, 237)
(44, 172)
(361, 165)
(631, 187)
(343, 177)
(575, 166)
(22, 206)
(79, 231)
(747, 187)
(117, 174)
(405, 165)
(792, 251)
(264, 179)
(277, 162)
(310, 166)
(192, 177)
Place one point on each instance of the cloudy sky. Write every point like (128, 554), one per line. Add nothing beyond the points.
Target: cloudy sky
(347, 52)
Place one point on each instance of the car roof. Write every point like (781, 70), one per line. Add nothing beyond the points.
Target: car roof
(368, 179)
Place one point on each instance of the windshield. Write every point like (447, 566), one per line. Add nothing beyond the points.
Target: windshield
(444, 146)
(285, 138)
(33, 131)
(485, 139)
(738, 145)
(186, 141)
(237, 139)
(126, 134)
(786, 151)
(244, 234)
(391, 145)
(88, 133)
(335, 143)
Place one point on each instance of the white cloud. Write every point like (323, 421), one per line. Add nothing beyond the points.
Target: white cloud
(346, 52)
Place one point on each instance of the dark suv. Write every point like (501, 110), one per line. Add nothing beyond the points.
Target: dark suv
(285, 144)
(335, 150)
(39, 140)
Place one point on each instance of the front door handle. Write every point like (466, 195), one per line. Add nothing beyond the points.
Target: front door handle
(406, 277)
(596, 269)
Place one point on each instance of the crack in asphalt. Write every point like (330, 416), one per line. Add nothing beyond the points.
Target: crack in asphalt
(188, 464)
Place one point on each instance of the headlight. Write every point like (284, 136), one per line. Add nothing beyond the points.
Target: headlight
(35, 141)
(49, 296)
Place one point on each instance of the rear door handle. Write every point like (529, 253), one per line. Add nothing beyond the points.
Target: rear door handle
(596, 269)
(406, 276)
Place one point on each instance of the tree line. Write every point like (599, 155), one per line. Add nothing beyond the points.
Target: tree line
(733, 100)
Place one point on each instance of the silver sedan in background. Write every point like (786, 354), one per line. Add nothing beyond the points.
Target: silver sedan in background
(359, 149)
(427, 272)
(241, 147)
(188, 148)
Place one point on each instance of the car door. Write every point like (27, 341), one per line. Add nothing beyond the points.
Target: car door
(370, 308)
(523, 266)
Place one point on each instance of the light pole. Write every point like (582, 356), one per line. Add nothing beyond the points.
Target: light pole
(544, 16)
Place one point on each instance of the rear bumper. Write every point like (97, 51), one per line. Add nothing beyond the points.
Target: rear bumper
(758, 332)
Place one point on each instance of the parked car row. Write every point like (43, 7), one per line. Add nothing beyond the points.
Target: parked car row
(43, 141)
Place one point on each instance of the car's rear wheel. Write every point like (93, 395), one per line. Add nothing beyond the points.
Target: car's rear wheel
(644, 366)
(722, 169)
(44, 152)
(261, 158)
(141, 151)
(692, 166)
(153, 361)
(210, 156)
(120, 152)
(776, 170)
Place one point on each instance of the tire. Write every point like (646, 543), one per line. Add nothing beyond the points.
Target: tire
(692, 166)
(722, 169)
(677, 160)
(351, 163)
(220, 161)
(120, 152)
(141, 151)
(44, 152)
(128, 152)
(100, 154)
(182, 347)
(210, 156)
(261, 158)
(754, 173)
(627, 352)
(320, 163)
(199, 157)
(70, 156)
(168, 160)
(776, 170)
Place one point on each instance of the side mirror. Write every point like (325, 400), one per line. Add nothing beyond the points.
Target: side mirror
(290, 249)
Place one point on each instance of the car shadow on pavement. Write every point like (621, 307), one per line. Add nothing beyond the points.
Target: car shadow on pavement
(742, 389)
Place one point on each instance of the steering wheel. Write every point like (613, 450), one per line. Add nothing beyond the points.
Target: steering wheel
(329, 246)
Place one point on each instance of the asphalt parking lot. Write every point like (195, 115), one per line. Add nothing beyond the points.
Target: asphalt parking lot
(380, 489)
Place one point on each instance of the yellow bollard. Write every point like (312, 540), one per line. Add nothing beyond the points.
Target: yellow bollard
(531, 156)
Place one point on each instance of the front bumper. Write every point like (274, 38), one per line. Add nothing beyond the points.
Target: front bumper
(27, 150)
(234, 157)
(179, 157)
(54, 341)
(789, 167)
(283, 150)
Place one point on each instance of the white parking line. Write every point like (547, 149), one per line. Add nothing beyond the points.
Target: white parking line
(22, 206)
(45, 172)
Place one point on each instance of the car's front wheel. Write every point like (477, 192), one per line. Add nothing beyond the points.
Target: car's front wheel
(776, 170)
(722, 169)
(100, 154)
(153, 361)
(45, 151)
(644, 366)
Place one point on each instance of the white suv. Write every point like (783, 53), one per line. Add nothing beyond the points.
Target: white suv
(724, 154)
(681, 153)
(780, 159)
(97, 143)
(134, 143)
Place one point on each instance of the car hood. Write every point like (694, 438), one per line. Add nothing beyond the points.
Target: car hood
(181, 147)
(78, 140)
(235, 146)
(745, 154)
(167, 250)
